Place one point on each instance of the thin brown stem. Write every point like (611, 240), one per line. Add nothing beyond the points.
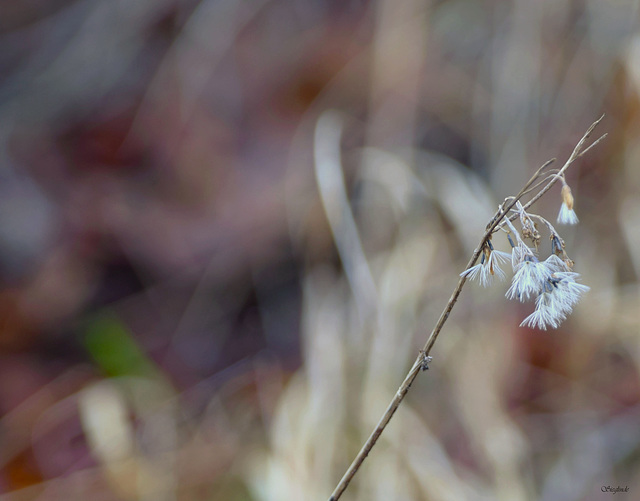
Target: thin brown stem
(575, 154)
(495, 223)
(541, 182)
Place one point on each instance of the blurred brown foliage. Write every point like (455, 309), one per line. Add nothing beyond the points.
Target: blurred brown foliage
(212, 285)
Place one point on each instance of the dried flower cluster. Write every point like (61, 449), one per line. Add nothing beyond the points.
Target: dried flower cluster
(551, 283)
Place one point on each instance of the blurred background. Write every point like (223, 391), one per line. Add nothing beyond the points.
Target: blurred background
(227, 227)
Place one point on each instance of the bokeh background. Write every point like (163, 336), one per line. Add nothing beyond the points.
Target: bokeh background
(226, 228)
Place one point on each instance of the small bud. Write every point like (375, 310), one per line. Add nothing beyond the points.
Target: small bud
(567, 215)
(567, 197)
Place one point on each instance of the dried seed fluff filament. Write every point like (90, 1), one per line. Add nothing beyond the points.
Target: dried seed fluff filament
(567, 197)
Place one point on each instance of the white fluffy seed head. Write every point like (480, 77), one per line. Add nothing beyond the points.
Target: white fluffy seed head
(567, 215)
(529, 279)
(490, 267)
(559, 295)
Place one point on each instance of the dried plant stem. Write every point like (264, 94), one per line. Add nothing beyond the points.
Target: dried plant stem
(575, 154)
(496, 223)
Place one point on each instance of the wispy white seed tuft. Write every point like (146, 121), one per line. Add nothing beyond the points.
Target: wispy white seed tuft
(566, 215)
(541, 318)
(529, 279)
(554, 264)
(489, 268)
(520, 253)
(559, 295)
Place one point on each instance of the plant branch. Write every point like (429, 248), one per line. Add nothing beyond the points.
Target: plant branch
(423, 356)
(575, 154)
